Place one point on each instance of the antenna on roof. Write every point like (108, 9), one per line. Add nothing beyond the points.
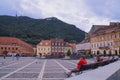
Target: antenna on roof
(16, 14)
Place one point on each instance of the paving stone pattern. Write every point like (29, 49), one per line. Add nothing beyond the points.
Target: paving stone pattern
(29, 68)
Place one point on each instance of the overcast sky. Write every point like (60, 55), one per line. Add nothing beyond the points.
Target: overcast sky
(82, 13)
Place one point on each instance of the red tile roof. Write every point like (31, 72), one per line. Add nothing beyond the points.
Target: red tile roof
(73, 45)
(13, 41)
(103, 29)
(57, 40)
(45, 43)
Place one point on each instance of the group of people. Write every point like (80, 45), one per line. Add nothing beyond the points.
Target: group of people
(17, 55)
(83, 61)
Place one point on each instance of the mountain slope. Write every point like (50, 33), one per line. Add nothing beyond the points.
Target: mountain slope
(33, 30)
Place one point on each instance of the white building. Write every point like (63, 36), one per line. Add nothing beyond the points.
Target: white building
(83, 46)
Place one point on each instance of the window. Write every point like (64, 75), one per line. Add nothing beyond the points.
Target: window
(94, 45)
(53, 44)
(115, 35)
(56, 44)
(12, 48)
(111, 43)
(9, 48)
(104, 44)
(102, 38)
(111, 36)
(1, 48)
(16, 48)
(107, 37)
(41, 49)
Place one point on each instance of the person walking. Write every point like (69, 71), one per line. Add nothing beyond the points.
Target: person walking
(17, 56)
(13, 56)
(4, 59)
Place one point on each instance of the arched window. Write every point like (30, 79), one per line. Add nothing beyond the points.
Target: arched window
(116, 53)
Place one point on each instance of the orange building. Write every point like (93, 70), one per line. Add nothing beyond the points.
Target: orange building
(15, 45)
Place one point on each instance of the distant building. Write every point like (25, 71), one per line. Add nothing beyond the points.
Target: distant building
(15, 45)
(84, 46)
(44, 47)
(57, 46)
(105, 39)
(67, 47)
(73, 46)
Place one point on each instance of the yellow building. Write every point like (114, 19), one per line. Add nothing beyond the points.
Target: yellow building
(105, 39)
(44, 47)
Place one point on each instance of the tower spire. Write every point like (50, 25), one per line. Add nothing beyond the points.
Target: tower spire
(16, 14)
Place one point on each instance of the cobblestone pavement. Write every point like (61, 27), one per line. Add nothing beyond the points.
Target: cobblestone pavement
(29, 68)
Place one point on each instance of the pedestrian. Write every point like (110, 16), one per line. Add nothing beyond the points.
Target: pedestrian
(17, 56)
(13, 56)
(4, 59)
(98, 58)
(81, 62)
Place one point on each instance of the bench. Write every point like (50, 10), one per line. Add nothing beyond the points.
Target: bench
(94, 65)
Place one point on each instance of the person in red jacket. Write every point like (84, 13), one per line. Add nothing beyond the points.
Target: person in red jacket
(81, 62)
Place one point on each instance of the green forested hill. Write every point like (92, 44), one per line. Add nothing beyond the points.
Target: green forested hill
(33, 30)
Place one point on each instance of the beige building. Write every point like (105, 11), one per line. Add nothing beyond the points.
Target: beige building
(105, 39)
(44, 47)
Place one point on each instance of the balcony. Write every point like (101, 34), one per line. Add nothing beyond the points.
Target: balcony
(105, 47)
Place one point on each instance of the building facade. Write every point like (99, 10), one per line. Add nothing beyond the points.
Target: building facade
(105, 39)
(44, 47)
(57, 46)
(67, 47)
(73, 47)
(54, 47)
(84, 46)
(15, 45)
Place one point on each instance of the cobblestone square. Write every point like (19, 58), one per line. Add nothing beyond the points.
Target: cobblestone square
(29, 68)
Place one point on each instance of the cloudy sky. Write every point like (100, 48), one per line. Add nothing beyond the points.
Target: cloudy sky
(82, 13)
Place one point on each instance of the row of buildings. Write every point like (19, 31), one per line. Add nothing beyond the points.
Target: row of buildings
(104, 39)
(55, 47)
(9, 45)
